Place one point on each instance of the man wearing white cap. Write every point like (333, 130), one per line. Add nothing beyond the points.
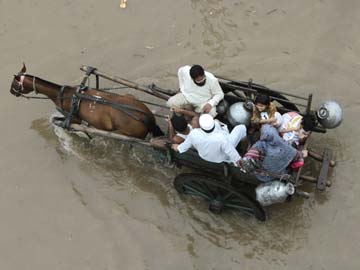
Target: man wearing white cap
(199, 88)
(213, 141)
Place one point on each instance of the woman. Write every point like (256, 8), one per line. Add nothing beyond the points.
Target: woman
(272, 155)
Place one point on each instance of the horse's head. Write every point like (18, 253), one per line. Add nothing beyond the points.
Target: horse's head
(17, 85)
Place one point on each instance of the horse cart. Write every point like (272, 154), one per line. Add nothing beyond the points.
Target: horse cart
(222, 185)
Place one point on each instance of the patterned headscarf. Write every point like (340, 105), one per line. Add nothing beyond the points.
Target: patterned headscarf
(277, 154)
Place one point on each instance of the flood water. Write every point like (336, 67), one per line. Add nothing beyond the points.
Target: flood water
(69, 203)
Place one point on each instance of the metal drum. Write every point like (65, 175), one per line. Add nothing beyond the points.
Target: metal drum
(222, 107)
(239, 113)
(330, 114)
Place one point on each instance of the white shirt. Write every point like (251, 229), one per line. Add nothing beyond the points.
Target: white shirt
(210, 93)
(214, 147)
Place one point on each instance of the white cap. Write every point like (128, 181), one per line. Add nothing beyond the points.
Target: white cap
(206, 122)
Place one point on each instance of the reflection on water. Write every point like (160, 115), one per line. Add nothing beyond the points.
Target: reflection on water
(139, 181)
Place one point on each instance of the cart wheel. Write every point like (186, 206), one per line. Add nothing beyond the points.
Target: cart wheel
(220, 195)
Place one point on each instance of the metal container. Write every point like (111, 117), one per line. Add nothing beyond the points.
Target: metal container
(239, 114)
(330, 114)
(222, 107)
(273, 192)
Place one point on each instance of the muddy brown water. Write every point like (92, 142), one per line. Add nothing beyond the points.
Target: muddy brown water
(66, 203)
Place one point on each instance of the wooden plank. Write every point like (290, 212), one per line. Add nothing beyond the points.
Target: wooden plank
(322, 179)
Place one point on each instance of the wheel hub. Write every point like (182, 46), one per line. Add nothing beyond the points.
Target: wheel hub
(216, 206)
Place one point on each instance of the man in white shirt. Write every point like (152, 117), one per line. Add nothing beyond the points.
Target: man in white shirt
(199, 88)
(213, 141)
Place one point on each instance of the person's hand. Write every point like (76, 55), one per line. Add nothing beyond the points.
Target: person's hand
(238, 163)
(167, 118)
(207, 108)
(175, 147)
(247, 165)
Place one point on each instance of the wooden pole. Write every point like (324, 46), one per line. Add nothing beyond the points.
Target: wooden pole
(158, 143)
(320, 157)
(126, 83)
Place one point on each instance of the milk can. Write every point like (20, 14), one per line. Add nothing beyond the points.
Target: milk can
(330, 114)
(239, 113)
(273, 192)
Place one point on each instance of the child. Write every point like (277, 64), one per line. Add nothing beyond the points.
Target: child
(292, 130)
(265, 112)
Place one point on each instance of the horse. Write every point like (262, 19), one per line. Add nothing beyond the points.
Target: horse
(107, 111)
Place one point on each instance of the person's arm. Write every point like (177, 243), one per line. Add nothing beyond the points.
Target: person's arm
(230, 151)
(217, 93)
(171, 131)
(290, 129)
(184, 112)
(181, 77)
(186, 145)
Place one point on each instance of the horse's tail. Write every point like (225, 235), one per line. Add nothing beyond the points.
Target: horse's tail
(153, 128)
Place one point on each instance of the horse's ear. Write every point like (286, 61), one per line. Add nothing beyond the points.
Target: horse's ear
(23, 70)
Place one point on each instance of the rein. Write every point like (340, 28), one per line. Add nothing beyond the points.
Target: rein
(19, 92)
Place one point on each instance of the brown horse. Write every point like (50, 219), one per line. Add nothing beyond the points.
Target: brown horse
(133, 119)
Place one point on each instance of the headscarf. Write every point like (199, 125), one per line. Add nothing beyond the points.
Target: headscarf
(277, 154)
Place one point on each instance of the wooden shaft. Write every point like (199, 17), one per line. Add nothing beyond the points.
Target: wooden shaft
(127, 83)
(108, 134)
(308, 178)
(313, 179)
(319, 157)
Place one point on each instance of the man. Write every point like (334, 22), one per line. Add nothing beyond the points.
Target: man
(213, 141)
(199, 88)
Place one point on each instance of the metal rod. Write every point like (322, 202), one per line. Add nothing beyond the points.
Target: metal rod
(259, 86)
(308, 107)
(97, 82)
(236, 87)
(305, 146)
(155, 104)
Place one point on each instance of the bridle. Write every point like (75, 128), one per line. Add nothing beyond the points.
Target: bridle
(20, 91)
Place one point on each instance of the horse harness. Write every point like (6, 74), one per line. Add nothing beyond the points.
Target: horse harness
(79, 96)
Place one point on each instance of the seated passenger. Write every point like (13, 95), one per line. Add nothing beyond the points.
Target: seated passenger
(272, 156)
(199, 88)
(265, 112)
(178, 128)
(213, 141)
(190, 116)
(292, 130)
